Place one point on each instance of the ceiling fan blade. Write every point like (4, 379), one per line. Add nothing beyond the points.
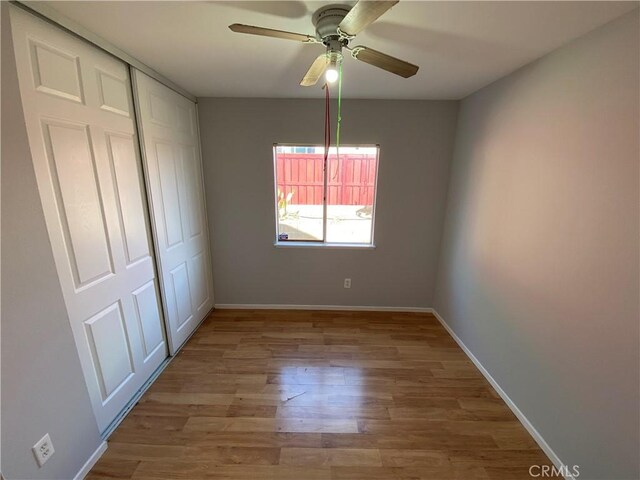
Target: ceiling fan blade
(270, 32)
(384, 61)
(363, 14)
(315, 71)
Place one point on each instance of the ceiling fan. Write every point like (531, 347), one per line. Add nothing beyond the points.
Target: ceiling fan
(336, 26)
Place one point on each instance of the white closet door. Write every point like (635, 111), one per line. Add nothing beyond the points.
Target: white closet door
(79, 113)
(169, 129)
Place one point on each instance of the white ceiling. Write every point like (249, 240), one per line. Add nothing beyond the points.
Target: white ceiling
(460, 46)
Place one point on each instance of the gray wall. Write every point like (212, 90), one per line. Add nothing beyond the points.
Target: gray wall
(43, 388)
(416, 139)
(539, 266)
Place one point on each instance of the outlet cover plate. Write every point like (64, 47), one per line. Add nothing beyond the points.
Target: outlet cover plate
(43, 450)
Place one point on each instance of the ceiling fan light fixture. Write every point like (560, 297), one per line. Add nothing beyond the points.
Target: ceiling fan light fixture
(332, 74)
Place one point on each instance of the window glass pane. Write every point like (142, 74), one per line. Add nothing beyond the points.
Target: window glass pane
(299, 188)
(351, 194)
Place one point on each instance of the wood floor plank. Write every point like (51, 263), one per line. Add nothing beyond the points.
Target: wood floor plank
(415, 458)
(142, 452)
(252, 424)
(172, 470)
(333, 412)
(323, 457)
(113, 467)
(404, 473)
(256, 439)
(190, 398)
(270, 472)
(233, 455)
(173, 410)
(319, 395)
(262, 411)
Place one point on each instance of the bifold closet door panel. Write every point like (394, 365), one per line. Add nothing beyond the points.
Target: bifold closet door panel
(78, 107)
(168, 126)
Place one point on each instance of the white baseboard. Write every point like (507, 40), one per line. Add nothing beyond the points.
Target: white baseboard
(363, 308)
(514, 408)
(93, 459)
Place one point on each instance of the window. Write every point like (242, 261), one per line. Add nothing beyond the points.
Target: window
(336, 208)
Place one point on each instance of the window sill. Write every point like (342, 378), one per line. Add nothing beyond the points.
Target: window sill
(346, 246)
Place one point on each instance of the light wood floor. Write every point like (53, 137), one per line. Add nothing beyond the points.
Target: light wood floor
(292, 395)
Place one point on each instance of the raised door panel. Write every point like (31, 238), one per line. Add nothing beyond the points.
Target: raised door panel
(81, 214)
(110, 349)
(127, 184)
(149, 320)
(160, 110)
(193, 189)
(198, 270)
(184, 122)
(181, 294)
(55, 71)
(169, 193)
(113, 93)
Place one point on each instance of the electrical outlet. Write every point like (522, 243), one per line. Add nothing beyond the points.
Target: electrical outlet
(347, 283)
(43, 450)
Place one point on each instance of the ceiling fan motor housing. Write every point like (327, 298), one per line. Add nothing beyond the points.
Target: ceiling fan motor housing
(326, 21)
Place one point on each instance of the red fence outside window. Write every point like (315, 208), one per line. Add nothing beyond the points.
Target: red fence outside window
(351, 178)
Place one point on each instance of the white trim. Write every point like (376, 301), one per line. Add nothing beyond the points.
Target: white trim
(93, 459)
(347, 246)
(349, 308)
(546, 448)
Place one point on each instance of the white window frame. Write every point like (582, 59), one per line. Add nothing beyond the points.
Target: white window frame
(323, 243)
